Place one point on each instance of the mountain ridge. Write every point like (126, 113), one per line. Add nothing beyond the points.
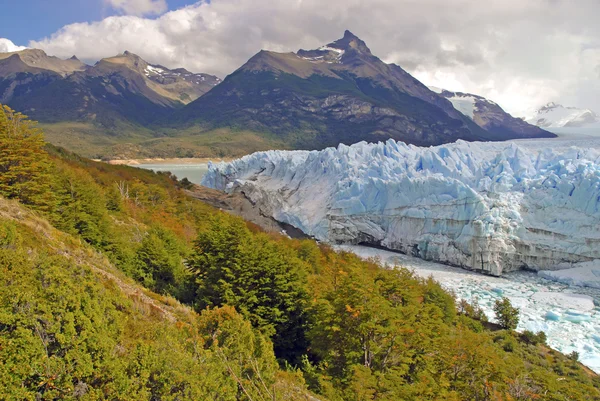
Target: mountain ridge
(122, 93)
(337, 93)
(491, 117)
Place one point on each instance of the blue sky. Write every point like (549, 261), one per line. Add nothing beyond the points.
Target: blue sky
(26, 20)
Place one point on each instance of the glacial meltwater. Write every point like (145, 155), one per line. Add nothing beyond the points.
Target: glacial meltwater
(193, 172)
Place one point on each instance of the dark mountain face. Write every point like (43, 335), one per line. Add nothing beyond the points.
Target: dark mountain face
(338, 93)
(491, 117)
(121, 89)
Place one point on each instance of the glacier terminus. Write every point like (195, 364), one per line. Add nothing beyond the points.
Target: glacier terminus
(484, 206)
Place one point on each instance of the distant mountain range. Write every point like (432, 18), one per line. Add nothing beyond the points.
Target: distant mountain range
(338, 93)
(124, 88)
(554, 115)
(490, 116)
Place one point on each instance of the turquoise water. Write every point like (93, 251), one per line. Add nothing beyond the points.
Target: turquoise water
(193, 172)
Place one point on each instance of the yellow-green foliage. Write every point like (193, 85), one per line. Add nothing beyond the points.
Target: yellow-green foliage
(71, 328)
(75, 324)
(24, 166)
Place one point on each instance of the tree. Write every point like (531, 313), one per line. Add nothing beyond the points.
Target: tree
(506, 314)
(160, 264)
(25, 169)
(262, 279)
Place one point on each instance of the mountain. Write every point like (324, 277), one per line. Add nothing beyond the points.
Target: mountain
(554, 115)
(491, 117)
(126, 107)
(338, 93)
(37, 61)
(119, 91)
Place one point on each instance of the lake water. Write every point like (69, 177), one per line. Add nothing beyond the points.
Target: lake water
(193, 172)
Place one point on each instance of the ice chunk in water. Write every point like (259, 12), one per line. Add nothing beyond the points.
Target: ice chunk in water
(498, 291)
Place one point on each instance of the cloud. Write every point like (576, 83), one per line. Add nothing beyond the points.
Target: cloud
(518, 53)
(138, 7)
(7, 46)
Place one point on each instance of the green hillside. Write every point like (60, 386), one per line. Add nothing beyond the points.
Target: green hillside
(116, 285)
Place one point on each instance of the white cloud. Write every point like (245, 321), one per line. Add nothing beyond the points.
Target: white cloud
(138, 7)
(7, 46)
(518, 53)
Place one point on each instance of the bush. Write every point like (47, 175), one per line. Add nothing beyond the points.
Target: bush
(532, 338)
(472, 310)
(574, 356)
(510, 344)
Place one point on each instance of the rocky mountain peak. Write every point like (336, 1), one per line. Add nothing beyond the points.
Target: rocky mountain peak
(40, 62)
(351, 42)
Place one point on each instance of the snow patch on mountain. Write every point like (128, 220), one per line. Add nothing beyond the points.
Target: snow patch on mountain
(155, 70)
(340, 52)
(465, 104)
(490, 207)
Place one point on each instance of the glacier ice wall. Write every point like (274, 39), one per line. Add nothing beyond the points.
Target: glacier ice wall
(490, 207)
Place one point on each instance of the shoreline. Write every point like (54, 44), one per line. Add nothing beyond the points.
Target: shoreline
(168, 160)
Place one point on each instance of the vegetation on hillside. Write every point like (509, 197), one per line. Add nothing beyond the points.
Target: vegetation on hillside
(91, 140)
(116, 285)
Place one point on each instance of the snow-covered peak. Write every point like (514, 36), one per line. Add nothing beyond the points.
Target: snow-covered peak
(157, 72)
(7, 46)
(554, 115)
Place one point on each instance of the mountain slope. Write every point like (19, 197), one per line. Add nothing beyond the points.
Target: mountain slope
(75, 327)
(338, 93)
(491, 117)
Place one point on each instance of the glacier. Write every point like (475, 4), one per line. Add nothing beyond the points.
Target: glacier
(488, 207)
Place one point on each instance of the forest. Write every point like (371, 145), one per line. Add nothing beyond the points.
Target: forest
(115, 284)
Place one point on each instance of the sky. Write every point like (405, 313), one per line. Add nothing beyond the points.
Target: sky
(519, 53)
